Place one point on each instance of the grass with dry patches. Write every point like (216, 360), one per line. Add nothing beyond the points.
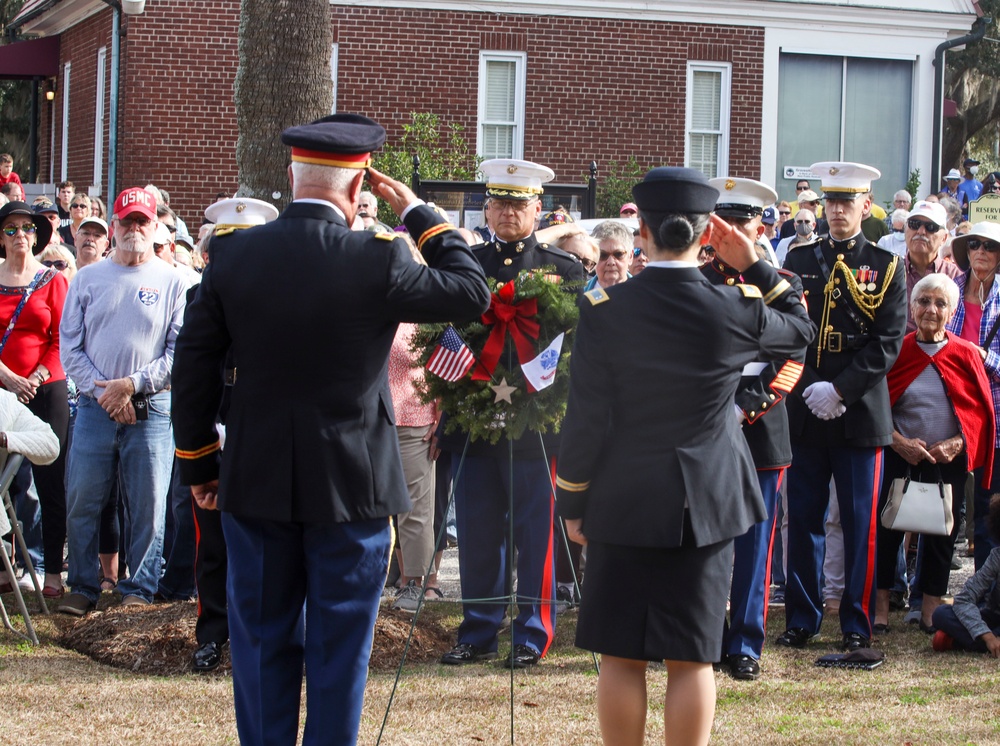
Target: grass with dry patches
(51, 696)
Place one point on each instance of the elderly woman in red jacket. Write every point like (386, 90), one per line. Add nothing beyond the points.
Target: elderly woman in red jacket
(942, 413)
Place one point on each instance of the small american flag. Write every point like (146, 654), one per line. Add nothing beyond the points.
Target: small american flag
(452, 358)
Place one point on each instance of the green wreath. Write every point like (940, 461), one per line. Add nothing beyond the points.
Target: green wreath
(473, 406)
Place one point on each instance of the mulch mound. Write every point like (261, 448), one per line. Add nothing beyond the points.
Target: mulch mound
(159, 639)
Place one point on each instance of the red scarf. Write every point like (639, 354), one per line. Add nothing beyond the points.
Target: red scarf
(964, 376)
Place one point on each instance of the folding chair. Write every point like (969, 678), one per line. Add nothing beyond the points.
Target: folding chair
(6, 477)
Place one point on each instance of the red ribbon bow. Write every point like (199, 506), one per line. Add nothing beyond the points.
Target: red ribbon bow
(504, 315)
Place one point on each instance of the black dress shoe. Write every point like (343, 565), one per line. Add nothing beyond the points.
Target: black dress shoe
(207, 657)
(744, 668)
(466, 653)
(795, 637)
(854, 641)
(521, 656)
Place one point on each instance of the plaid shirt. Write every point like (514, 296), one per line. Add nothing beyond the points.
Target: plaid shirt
(991, 312)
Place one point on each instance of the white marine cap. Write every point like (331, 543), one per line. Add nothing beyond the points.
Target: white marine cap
(508, 178)
(239, 212)
(841, 180)
(742, 198)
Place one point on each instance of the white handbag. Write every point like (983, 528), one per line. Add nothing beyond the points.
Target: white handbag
(921, 507)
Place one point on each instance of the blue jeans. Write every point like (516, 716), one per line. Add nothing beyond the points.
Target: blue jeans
(143, 453)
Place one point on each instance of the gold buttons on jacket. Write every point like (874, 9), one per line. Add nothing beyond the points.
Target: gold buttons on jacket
(507, 262)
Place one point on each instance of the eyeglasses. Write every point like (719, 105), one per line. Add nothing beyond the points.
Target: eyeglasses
(801, 188)
(11, 230)
(914, 225)
(79, 207)
(803, 222)
(56, 264)
(88, 234)
(925, 302)
(619, 255)
(707, 251)
(502, 205)
(974, 244)
(995, 187)
(784, 212)
(129, 222)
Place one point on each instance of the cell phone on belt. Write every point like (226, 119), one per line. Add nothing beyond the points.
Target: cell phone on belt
(140, 403)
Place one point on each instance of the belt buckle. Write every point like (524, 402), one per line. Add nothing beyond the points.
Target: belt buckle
(834, 342)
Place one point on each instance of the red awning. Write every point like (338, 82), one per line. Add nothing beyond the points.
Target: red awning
(24, 60)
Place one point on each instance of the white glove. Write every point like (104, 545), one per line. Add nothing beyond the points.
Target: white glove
(740, 414)
(823, 400)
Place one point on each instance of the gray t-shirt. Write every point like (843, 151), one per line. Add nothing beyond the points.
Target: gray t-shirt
(122, 321)
(924, 410)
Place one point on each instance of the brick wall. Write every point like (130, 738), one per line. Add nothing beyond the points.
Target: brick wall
(597, 89)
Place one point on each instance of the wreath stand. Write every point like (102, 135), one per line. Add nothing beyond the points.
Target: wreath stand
(510, 599)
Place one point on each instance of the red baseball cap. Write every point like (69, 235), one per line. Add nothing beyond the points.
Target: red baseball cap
(135, 200)
(628, 207)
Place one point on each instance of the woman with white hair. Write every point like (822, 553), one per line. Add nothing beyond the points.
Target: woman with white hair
(943, 427)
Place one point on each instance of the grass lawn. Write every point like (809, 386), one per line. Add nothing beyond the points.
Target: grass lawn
(50, 696)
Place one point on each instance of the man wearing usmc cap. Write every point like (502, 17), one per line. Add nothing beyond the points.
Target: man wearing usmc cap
(118, 331)
(484, 495)
(760, 407)
(311, 471)
(839, 414)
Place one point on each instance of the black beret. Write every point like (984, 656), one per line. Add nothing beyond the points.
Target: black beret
(669, 189)
(337, 135)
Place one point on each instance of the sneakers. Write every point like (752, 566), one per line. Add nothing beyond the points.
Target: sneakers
(408, 597)
(76, 604)
(135, 601)
(25, 584)
(942, 641)
(912, 617)
(777, 598)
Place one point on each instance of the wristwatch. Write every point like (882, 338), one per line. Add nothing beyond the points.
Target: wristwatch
(3, 441)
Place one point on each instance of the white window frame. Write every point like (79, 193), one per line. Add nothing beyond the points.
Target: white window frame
(334, 62)
(102, 57)
(725, 99)
(520, 60)
(64, 159)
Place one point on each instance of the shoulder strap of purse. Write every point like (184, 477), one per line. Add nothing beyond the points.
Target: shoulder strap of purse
(39, 276)
(992, 334)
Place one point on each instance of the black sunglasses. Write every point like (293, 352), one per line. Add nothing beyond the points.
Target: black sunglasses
(914, 225)
(974, 244)
(56, 264)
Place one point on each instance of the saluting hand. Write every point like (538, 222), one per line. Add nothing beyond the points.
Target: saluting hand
(732, 246)
(396, 193)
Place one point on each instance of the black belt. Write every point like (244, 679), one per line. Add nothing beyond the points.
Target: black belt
(840, 342)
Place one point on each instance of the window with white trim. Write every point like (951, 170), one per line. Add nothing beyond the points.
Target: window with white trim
(706, 144)
(501, 104)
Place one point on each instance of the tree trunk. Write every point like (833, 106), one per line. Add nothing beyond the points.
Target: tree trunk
(283, 80)
(977, 98)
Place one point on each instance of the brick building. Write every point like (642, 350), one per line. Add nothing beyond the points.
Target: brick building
(759, 88)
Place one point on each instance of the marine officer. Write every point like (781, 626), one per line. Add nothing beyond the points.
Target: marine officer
(839, 415)
(760, 407)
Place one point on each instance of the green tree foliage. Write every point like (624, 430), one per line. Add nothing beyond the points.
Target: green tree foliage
(614, 186)
(970, 81)
(443, 151)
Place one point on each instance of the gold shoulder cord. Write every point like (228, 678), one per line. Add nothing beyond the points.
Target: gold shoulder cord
(867, 304)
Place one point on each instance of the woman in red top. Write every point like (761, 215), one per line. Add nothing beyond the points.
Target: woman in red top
(30, 366)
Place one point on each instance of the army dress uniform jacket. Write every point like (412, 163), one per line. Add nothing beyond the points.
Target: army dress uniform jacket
(860, 319)
(503, 261)
(763, 387)
(630, 465)
(310, 430)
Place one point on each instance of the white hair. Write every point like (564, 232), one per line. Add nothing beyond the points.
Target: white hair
(902, 194)
(330, 177)
(899, 216)
(936, 281)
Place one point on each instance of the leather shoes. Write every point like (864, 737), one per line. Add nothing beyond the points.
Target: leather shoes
(207, 657)
(466, 653)
(795, 637)
(521, 656)
(854, 641)
(744, 668)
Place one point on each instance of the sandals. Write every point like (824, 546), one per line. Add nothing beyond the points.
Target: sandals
(50, 592)
(111, 583)
(880, 629)
(433, 593)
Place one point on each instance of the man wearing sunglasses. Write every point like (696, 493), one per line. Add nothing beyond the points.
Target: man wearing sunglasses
(838, 413)
(925, 234)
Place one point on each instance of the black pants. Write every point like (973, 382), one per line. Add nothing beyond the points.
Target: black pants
(210, 567)
(936, 565)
